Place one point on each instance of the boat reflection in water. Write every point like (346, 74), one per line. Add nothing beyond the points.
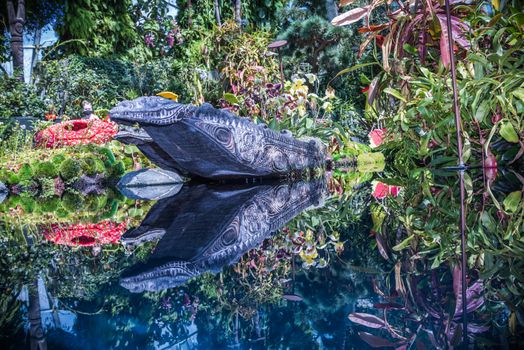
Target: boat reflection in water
(206, 227)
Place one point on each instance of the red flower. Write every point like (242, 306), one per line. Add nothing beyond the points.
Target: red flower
(382, 190)
(380, 40)
(364, 90)
(376, 137)
(104, 232)
(50, 116)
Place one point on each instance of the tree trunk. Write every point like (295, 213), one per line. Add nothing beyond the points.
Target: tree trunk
(190, 13)
(36, 52)
(331, 9)
(217, 12)
(238, 18)
(16, 28)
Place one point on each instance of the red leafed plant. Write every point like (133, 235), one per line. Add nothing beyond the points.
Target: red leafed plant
(420, 26)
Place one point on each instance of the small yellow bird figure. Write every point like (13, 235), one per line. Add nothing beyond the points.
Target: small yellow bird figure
(168, 94)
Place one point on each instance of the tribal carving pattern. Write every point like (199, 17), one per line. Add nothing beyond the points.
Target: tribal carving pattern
(255, 219)
(200, 132)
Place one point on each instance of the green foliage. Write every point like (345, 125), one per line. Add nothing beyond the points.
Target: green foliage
(100, 28)
(103, 82)
(18, 99)
(70, 169)
(91, 165)
(72, 202)
(45, 169)
(315, 46)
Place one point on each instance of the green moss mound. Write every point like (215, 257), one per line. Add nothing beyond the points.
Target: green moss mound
(45, 170)
(72, 202)
(92, 166)
(70, 169)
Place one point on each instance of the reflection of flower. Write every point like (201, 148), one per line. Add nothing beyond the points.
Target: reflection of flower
(376, 137)
(104, 232)
(382, 190)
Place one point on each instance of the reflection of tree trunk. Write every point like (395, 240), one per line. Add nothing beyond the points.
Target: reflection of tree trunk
(217, 12)
(331, 9)
(16, 29)
(36, 333)
(238, 19)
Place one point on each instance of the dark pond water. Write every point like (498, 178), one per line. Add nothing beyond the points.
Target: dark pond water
(349, 262)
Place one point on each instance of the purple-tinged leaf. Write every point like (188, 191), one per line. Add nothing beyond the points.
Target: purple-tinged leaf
(372, 93)
(380, 242)
(350, 16)
(476, 329)
(367, 320)
(445, 52)
(388, 306)
(375, 341)
(292, 297)
(420, 345)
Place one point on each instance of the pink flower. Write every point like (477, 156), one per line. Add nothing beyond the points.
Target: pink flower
(394, 190)
(496, 118)
(382, 190)
(376, 137)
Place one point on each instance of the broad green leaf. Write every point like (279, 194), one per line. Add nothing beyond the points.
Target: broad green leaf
(394, 93)
(512, 201)
(309, 123)
(508, 133)
(354, 68)
(519, 93)
(229, 97)
(404, 243)
(482, 111)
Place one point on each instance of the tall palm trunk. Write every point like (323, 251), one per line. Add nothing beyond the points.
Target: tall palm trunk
(16, 28)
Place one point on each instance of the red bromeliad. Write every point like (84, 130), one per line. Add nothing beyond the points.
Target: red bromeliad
(76, 132)
(104, 232)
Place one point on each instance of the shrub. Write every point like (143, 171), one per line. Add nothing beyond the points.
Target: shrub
(91, 166)
(103, 82)
(25, 172)
(117, 169)
(70, 169)
(18, 99)
(45, 170)
(47, 187)
(72, 202)
(58, 159)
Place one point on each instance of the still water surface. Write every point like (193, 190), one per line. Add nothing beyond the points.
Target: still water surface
(284, 265)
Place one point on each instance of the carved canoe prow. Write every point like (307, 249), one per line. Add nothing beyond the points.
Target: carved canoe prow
(211, 143)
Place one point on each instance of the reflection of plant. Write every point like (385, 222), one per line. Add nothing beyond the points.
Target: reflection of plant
(433, 308)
